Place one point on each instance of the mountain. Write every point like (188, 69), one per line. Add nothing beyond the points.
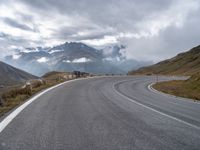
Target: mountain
(71, 56)
(187, 63)
(10, 75)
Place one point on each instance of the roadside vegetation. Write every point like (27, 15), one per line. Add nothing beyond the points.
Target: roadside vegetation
(189, 88)
(16, 95)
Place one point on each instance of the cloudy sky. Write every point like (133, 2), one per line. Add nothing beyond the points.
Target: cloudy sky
(151, 29)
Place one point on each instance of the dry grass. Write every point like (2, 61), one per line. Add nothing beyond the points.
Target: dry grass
(17, 95)
(187, 63)
(188, 89)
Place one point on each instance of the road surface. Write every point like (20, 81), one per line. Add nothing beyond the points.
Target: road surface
(106, 113)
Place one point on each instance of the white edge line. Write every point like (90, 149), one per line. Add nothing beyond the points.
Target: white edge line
(13, 114)
(154, 110)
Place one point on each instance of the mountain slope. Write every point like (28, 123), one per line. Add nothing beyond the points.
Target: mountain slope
(187, 63)
(10, 75)
(72, 56)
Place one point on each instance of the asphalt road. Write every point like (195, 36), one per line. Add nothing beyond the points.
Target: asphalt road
(107, 113)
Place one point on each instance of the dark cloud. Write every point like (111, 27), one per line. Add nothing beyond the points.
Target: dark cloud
(73, 33)
(25, 17)
(121, 13)
(168, 43)
(7, 41)
(182, 38)
(16, 24)
(3, 35)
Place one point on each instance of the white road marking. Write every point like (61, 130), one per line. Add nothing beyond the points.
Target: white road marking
(4, 123)
(12, 115)
(154, 110)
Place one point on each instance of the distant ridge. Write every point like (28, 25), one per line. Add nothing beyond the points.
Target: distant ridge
(71, 56)
(187, 63)
(10, 75)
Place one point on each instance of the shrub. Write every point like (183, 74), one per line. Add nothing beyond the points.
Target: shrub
(15, 92)
(37, 83)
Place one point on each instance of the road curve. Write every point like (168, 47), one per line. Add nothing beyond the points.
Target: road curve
(106, 113)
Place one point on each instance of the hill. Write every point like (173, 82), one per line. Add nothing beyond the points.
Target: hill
(10, 75)
(187, 63)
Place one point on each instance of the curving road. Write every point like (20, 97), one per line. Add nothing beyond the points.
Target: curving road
(106, 113)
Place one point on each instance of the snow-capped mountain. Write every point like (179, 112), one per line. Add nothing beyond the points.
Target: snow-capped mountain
(69, 57)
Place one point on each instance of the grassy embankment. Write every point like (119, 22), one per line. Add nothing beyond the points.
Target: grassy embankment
(17, 95)
(189, 88)
(187, 63)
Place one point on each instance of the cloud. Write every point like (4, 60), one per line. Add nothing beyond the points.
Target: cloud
(181, 35)
(152, 30)
(16, 24)
(3, 35)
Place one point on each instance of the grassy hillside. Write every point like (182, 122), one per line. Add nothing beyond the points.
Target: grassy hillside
(189, 88)
(187, 63)
(11, 76)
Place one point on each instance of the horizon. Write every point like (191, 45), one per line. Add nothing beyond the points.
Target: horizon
(97, 48)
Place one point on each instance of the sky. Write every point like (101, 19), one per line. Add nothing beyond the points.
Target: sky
(152, 30)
